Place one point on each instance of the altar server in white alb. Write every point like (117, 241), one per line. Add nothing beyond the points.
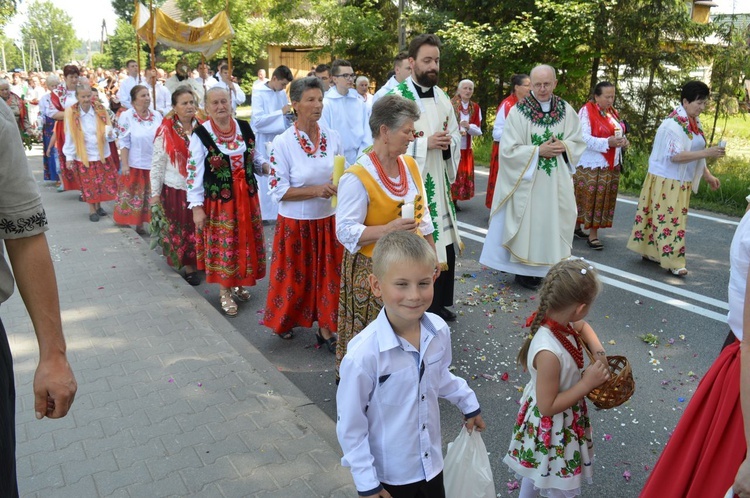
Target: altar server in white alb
(271, 116)
(236, 95)
(533, 210)
(345, 111)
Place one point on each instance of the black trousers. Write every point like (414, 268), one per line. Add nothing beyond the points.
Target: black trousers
(8, 483)
(421, 489)
(445, 283)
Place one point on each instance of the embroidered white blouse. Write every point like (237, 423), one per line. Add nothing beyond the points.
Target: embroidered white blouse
(473, 130)
(88, 125)
(292, 167)
(163, 171)
(137, 135)
(671, 139)
(593, 156)
(197, 160)
(354, 201)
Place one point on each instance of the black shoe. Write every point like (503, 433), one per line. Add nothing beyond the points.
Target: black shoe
(330, 342)
(192, 278)
(101, 212)
(580, 234)
(94, 217)
(445, 314)
(531, 283)
(80, 198)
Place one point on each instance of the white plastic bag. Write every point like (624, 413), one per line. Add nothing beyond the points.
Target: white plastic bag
(467, 472)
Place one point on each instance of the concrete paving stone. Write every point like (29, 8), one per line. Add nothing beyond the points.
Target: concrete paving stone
(93, 447)
(197, 479)
(39, 443)
(115, 425)
(157, 346)
(51, 478)
(135, 379)
(84, 361)
(185, 459)
(209, 452)
(204, 414)
(295, 427)
(298, 487)
(85, 487)
(104, 398)
(150, 430)
(84, 418)
(301, 466)
(328, 460)
(259, 481)
(37, 428)
(157, 414)
(171, 485)
(267, 418)
(92, 388)
(130, 453)
(73, 471)
(177, 442)
(76, 434)
(329, 483)
(246, 463)
(114, 370)
(232, 410)
(109, 482)
(24, 468)
(153, 362)
(243, 423)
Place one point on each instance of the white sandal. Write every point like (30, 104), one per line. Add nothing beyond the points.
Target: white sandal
(241, 293)
(228, 306)
(679, 272)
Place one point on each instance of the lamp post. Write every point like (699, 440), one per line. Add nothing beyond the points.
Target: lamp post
(52, 50)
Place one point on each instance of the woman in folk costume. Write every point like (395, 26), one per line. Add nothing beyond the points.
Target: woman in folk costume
(62, 97)
(137, 129)
(675, 168)
(51, 165)
(706, 455)
(223, 194)
(88, 131)
(169, 182)
(520, 87)
(469, 117)
(306, 257)
(597, 176)
(381, 194)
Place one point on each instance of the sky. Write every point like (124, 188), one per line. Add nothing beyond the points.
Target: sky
(88, 14)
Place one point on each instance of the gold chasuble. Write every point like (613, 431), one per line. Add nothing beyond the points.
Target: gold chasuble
(534, 209)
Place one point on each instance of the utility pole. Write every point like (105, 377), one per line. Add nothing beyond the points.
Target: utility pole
(52, 52)
(5, 68)
(401, 26)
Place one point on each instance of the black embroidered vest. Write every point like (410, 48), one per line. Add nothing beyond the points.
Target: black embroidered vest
(217, 173)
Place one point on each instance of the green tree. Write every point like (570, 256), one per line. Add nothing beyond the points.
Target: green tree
(122, 45)
(52, 28)
(13, 57)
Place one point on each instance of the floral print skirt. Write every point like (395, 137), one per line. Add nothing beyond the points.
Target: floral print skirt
(305, 275)
(494, 167)
(133, 192)
(181, 231)
(463, 188)
(554, 452)
(661, 221)
(98, 180)
(357, 305)
(596, 195)
(231, 246)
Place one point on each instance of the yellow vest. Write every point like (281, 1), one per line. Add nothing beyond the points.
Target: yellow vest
(382, 208)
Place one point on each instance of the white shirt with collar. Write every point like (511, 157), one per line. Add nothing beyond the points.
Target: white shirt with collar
(163, 102)
(123, 94)
(389, 85)
(388, 420)
(348, 115)
(238, 96)
(88, 126)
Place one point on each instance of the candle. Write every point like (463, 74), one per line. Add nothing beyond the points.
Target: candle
(723, 144)
(338, 171)
(407, 211)
(618, 133)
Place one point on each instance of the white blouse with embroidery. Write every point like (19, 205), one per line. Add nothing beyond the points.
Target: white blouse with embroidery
(593, 156)
(137, 135)
(354, 202)
(197, 159)
(88, 126)
(292, 167)
(163, 171)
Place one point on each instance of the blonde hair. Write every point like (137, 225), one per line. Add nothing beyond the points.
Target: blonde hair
(570, 282)
(400, 247)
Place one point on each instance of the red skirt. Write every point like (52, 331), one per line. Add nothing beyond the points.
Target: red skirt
(98, 180)
(133, 193)
(69, 176)
(305, 275)
(230, 247)
(181, 232)
(708, 445)
(494, 166)
(463, 188)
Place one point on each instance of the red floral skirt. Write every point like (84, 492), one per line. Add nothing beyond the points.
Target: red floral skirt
(305, 275)
(494, 166)
(708, 445)
(133, 193)
(98, 180)
(181, 231)
(230, 247)
(463, 188)
(69, 175)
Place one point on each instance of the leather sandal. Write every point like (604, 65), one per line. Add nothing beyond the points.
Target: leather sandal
(228, 306)
(580, 234)
(330, 342)
(679, 272)
(241, 294)
(595, 244)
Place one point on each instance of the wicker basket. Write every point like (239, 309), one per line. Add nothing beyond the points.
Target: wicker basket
(620, 386)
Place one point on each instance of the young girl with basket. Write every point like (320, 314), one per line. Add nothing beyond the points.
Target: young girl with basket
(552, 449)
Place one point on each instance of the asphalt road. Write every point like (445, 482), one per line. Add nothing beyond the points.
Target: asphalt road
(686, 314)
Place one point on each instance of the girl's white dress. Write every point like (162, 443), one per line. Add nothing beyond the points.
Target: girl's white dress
(555, 452)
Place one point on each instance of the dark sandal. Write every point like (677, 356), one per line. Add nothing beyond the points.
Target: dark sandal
(287, 336)
(595, 244)
(330, 342)
(580, 234)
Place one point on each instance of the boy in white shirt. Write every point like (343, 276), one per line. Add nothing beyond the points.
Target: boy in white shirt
(393, 374)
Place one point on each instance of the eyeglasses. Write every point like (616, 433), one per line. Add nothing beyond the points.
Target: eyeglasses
(349, 76)
(538, 86)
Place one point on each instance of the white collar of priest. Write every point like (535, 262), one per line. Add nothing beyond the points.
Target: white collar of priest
(424, 92)
(546, 106)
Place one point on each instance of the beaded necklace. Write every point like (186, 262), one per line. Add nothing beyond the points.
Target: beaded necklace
(398, 189)
(304, 143)
(225, 137)
(560, 332)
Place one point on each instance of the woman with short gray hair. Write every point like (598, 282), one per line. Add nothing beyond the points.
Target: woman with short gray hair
(383, 193)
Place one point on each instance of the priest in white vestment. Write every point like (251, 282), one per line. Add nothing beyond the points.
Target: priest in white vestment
(533, 210)
(436, 150)
(271, 116)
